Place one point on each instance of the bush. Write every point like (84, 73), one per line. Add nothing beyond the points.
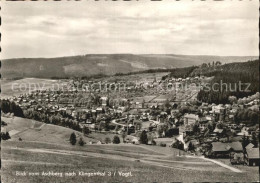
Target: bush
(5, 136)
(107, 140)
(81, 142)
(171, 132)
(116, 140)
(162, 144)
(86, 130)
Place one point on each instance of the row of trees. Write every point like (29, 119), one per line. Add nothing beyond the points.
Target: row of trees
(247, 116)
(73, 140)
(81, 142)
(11, 107)
(56, 119)
(4, 136)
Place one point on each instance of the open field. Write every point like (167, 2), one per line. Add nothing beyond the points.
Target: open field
(46, 148)
(39, 157)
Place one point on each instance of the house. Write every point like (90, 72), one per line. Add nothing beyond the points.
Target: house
(104, 101)
(219, 109)
(135, 141)
(218, 131)
(162, 141)
(181, 138)
(228, 106)
(249, 146)
(233, 110)
(190, 118)
(220, 149)
(252, 157)
(194, 142)
(99, 110)
(244, 132)
(74, 114)
(254, 108)
(236, 147)
(99, 142)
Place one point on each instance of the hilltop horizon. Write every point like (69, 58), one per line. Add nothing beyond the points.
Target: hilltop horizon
(95, 64)
(173, 54)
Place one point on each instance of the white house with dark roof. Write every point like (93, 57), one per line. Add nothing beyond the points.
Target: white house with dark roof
(252, 157)
(190, 118)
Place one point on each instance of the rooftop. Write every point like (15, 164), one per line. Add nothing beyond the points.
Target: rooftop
(253, 153)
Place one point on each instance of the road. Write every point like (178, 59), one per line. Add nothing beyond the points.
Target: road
(220, 164)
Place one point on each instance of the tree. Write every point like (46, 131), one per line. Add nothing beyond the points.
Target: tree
(167, 103)
(232, 99)
(254, 140)
(81, 142)
(143, 102)
(228, 134)
(107, 140)
(245, 141)
(143, 137)
(5, 136)
(73, 138)
(210, 126)
(86, 130)
(220, 126)
(178, 144)
(204, 65)
(161, 128)
(124, 136)
(191, 147)
(196, 128)
(218, 63)
(116, 140)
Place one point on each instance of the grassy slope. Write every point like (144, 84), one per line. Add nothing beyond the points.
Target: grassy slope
(38, 162)
(47, 133)
(23, 156)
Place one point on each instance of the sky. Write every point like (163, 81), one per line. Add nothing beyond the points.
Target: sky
(67, 28)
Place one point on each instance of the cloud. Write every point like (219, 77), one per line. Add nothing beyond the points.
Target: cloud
(50, 29)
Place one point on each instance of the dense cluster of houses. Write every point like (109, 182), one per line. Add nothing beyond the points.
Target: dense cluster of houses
(201, 129)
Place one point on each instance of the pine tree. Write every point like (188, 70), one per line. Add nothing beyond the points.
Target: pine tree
(116, 140)
(143, 138)
(73, 139)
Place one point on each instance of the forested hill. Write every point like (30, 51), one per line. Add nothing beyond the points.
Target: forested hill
(105, 64)
(214, 68)
(229, 76)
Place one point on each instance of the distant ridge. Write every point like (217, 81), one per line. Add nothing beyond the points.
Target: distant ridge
(106, 64)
